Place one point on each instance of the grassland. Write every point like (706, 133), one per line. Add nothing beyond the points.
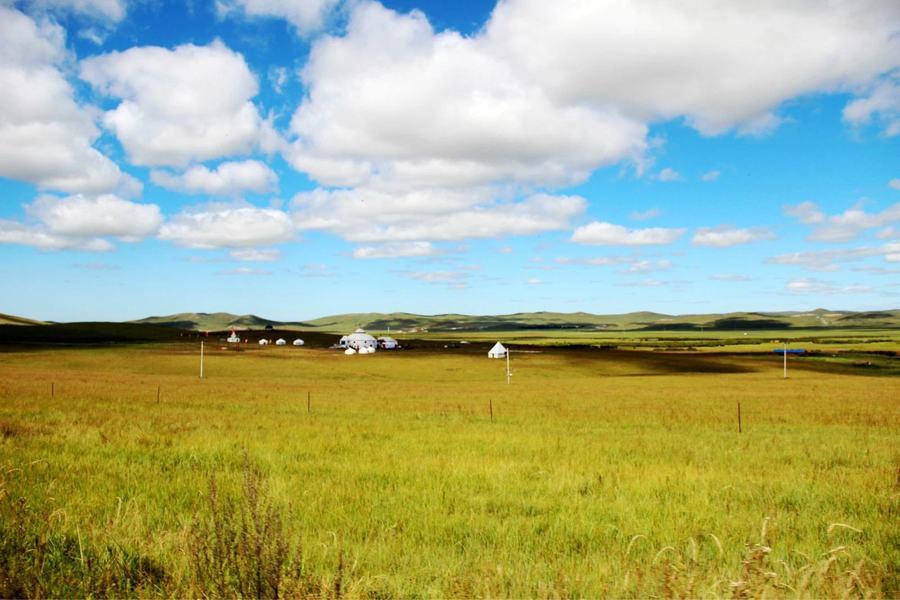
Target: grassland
(421, 473)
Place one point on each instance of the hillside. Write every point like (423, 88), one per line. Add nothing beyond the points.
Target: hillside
(409, 322)
(13, 320)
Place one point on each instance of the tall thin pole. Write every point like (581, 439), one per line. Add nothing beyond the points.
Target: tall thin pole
(507, 367)
(785, 360)
(201, 359)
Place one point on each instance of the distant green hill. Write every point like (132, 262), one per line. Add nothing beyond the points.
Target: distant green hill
(413, 323)
(13, 320)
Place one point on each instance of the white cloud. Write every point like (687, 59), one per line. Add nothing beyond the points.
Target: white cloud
(730, 277)
(892, 252)
(648, 266)
(83, 216)
(392, 103)
(178, 106)
(710, 176)
(430, 214)
(108, 10)
(668, 175)
(725, 236)
(45, 136)
(12, 232)
(81, 222)
(228, 179)
(396, 250)
(806, 285)
(226, 226)
(823, 260)
(452, 279)
(846, 226)
(245, 271)
(807, 212)
(721, 64)
(608, 234)
(881, 104)
(533, 281)
(645, 215)
(255, 254)
(307, 16)
(894, 183)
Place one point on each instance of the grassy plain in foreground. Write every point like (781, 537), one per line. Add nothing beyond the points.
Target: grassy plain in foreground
(601, 473)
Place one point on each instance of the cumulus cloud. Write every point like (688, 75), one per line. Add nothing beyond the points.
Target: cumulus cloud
(362, 215)
(645, 215)
(227, 226)
(881, 104)
(255, 254)
(392, 103)
(396, 250)
(45, 136)
(83, 216)
(805, 285)
(228, 179)
(725, 236)
(843, 227)
(178, 106)
(823, 260)
(721, 65)
(710, 176)
(82, 222)
(668, 175)
(306, 16)
(894, 183)
(648, 266)
(108, 10)
(608, 234)
(452, 279)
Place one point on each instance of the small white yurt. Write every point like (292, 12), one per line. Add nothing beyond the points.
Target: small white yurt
(263, 342)
(367, 350)
(349, 351)
(298, 342)
(280, 342)
(358, 340)
(388, 343)
(498, 351)
(233, 338)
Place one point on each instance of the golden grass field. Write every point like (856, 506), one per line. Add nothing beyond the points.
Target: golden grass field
(600, 474)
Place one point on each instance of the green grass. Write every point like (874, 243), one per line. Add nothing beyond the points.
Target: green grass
(601, 474)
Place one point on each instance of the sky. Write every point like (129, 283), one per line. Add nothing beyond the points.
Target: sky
(302, 158)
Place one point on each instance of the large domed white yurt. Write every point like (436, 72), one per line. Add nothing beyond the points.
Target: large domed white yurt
(280, 342)
(358, 340)
(298, 342)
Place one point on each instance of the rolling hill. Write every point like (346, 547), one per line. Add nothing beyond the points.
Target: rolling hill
(13, 320)
(409, 322)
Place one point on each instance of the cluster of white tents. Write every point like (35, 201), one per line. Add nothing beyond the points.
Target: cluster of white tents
(360, 342)
(279, 342)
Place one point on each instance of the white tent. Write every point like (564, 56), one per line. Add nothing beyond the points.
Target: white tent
(388, 343)
(349, 351)
(263, 342)
(498, 351)
(367, 350)
(233, 338)
(280, 342)
(298, 342)
(358, 340)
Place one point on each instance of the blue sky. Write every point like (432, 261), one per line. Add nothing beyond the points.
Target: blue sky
(298, 158)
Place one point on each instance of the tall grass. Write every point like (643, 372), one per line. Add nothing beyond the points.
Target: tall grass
(603, 474)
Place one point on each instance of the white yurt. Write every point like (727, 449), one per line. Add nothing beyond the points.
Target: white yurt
(367, 350)
(498, 351)
(349, 351)
(298, 342)
(233, 338)
(263, 342)
(358, 340)
(280, 342)
(388, 343)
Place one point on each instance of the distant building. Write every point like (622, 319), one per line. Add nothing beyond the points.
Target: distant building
(298, 342)
(280, 342)
(233, 338)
